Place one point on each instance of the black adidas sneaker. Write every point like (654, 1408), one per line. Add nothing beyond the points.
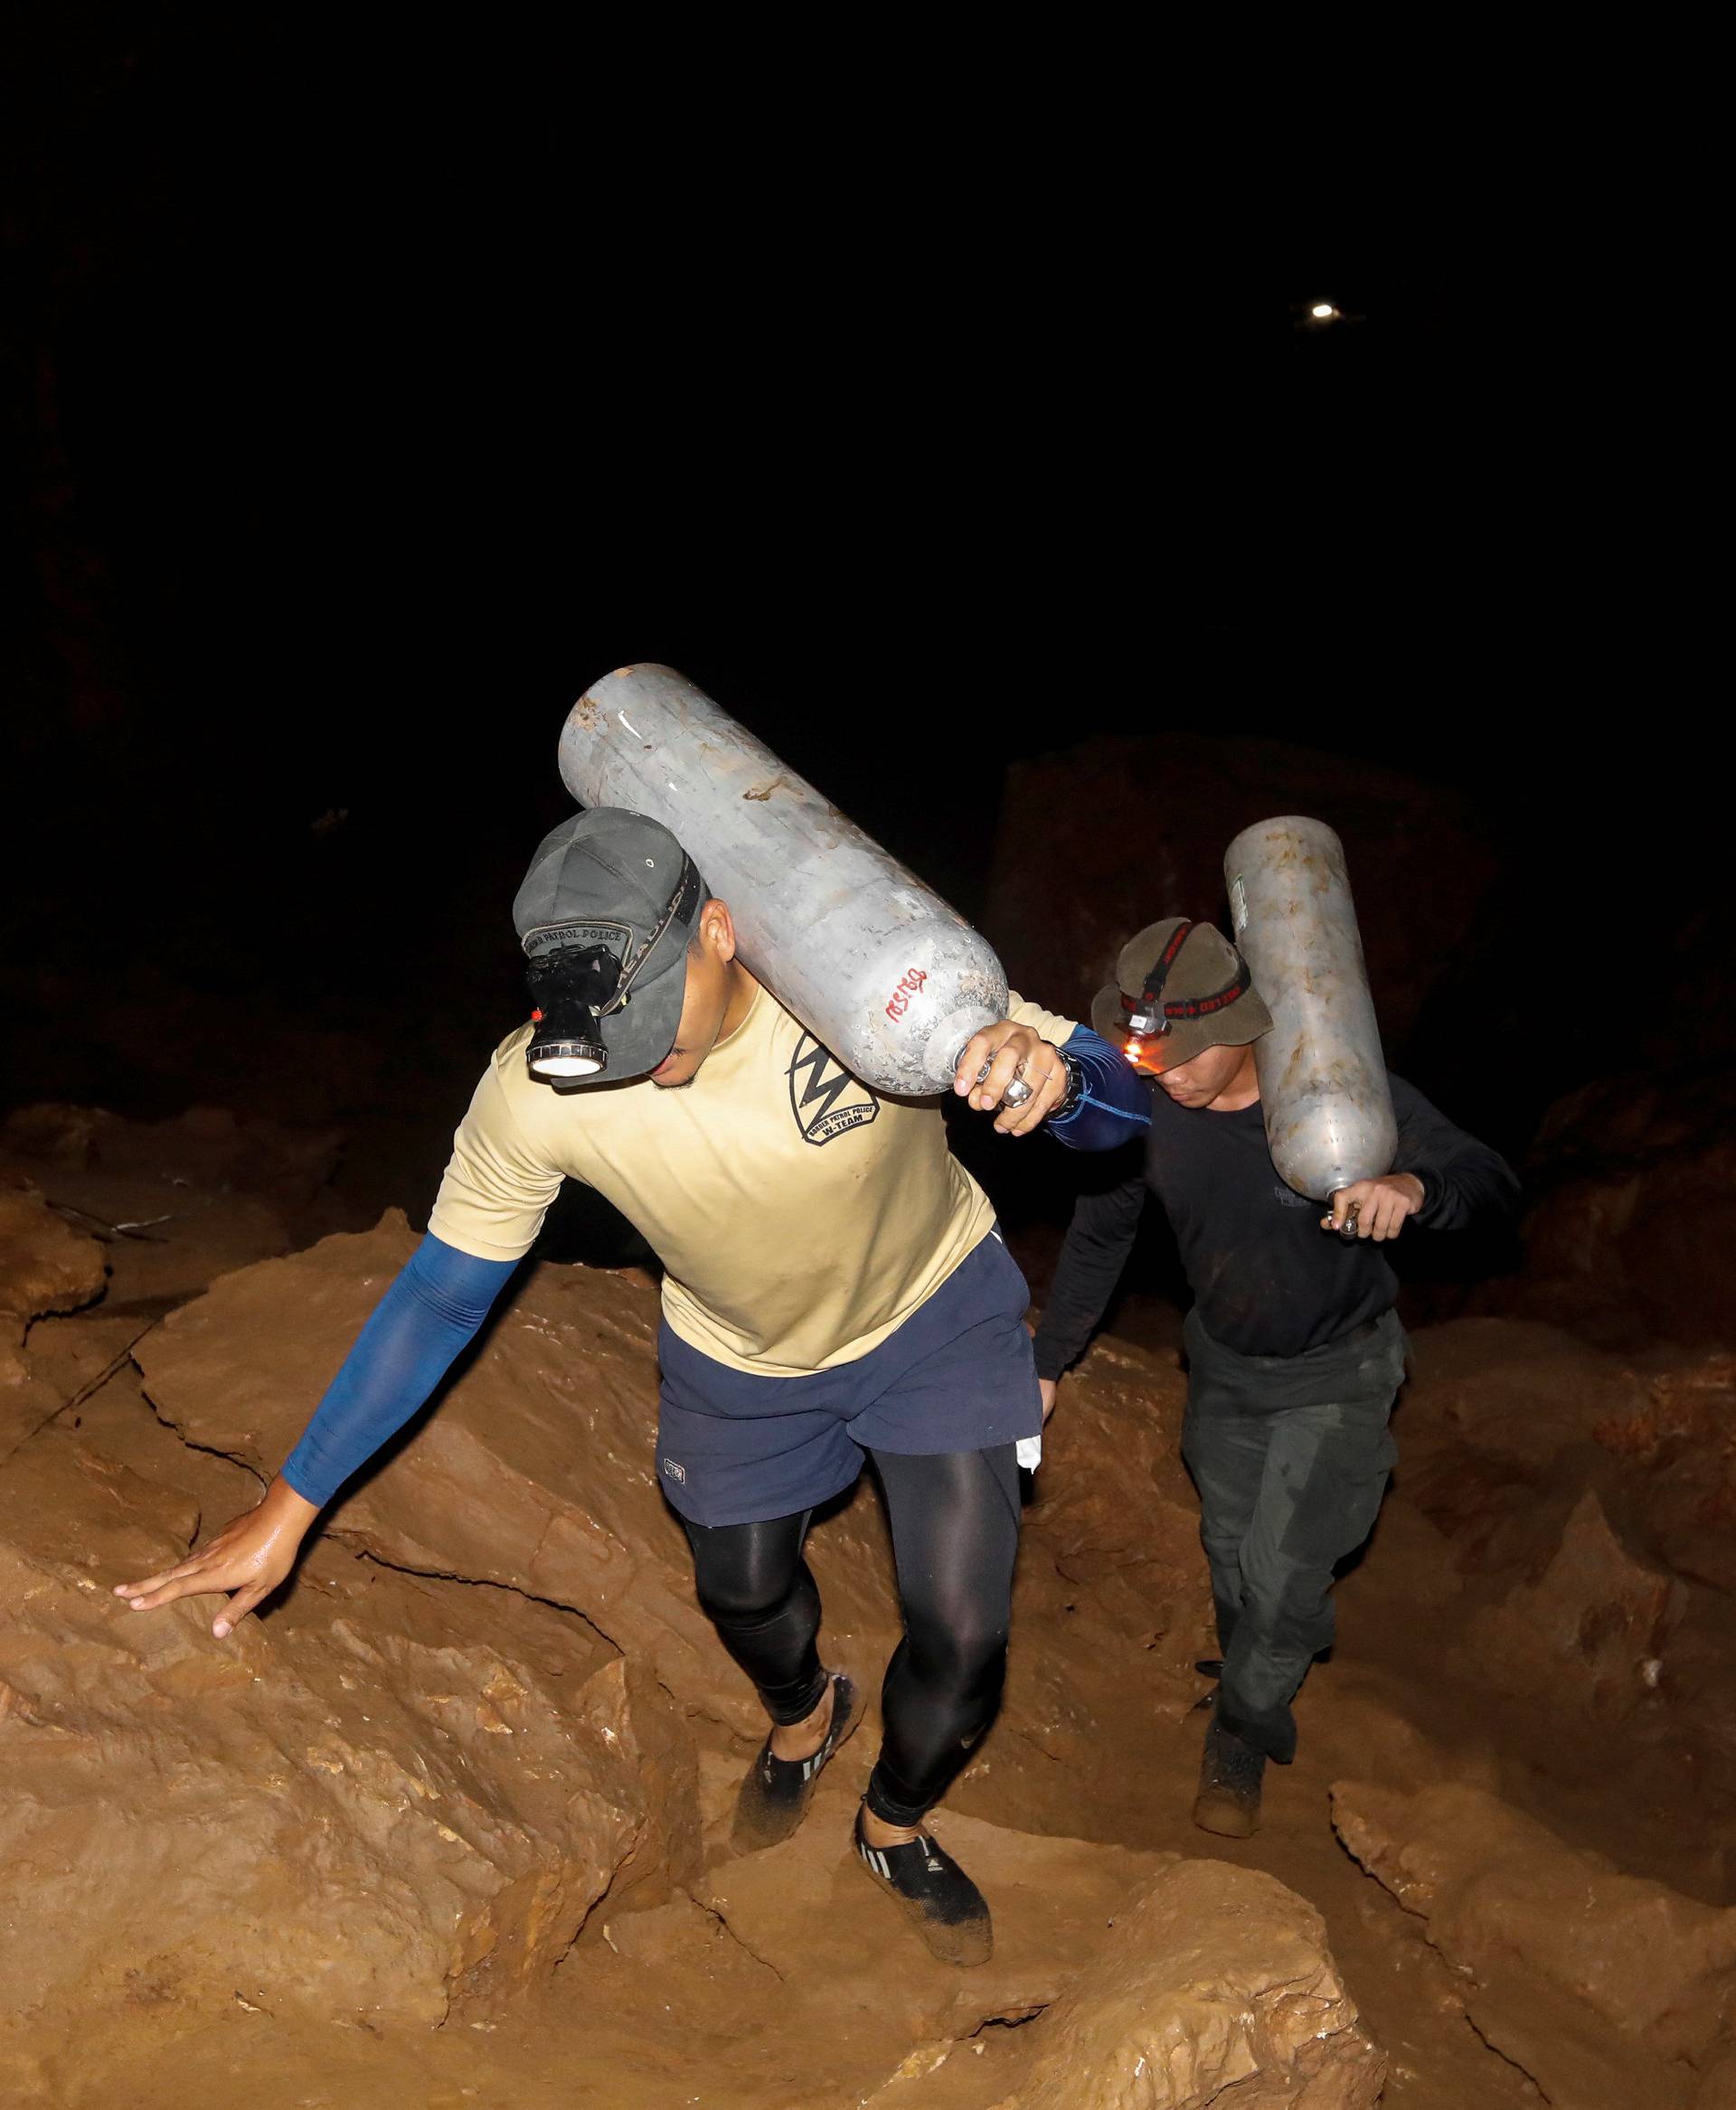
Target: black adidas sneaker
(950, 1912)
(775, 1794)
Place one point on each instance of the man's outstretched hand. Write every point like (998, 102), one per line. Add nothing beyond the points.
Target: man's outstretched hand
(249, 1557)
(1005, 1047)
(1382, 1205)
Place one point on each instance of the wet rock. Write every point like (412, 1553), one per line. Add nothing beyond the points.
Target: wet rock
(1497, 1438)
(805, 1907)
(1216, 1978)
(1513, 1391)
(1717, 2089)
(53, 1133)
(45, 1265)
(1215, 1987)
(173, 1203)
(73, 1355)
(1633, 1180)
(1589, 1630)
(24, 1407)
(210, 1148)
(387, 1797)
(1111, 1576)
(536, 1471)
(1673, 1443)
(1608, 1989)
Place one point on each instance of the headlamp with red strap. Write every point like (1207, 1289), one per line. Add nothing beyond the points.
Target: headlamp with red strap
(1150, 1015)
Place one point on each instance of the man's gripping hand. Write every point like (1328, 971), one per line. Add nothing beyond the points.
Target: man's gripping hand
(251, 1556)
(1382, 1205)
(1012, 1050)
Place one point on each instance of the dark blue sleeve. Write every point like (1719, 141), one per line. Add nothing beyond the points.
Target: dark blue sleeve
(440, 1298)
(1115, 1104)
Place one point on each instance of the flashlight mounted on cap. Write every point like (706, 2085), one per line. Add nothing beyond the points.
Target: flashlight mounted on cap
(572, 986)
(585, 972)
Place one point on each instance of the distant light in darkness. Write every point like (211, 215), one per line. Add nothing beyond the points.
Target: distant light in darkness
(1323, 311)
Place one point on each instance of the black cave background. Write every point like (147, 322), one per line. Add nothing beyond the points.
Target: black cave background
(360, 410)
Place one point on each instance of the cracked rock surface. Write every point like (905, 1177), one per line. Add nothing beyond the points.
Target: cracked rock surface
(447, 1824)
(323, 1820)
(1608, 1989)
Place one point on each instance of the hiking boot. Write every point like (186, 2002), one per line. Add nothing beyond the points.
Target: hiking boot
(1230, 1774)
(774, 1795)
(925, 1883)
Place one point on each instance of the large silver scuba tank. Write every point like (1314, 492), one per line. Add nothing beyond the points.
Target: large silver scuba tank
(872, 961)
(1323, 1083)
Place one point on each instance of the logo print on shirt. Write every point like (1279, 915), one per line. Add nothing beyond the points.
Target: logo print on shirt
(1290, 1197)
(824, 1097)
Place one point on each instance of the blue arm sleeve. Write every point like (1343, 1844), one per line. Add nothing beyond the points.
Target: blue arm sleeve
(1115, 1104)
(433, 1309)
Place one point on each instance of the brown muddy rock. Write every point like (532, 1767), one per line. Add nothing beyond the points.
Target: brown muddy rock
(536, 1471)
(24, 1407)
(1608, 1989)
(387, 1797)
(1717, 2089)
(1141, 826)
(807, 1909)
(1579, 1494)
(1217, 1988)
(1111, 1578)
(210, 1148)
(1515, 1390)
(1145, 1979)
(1114, 1508)
(1589, 1630)
(1635, 1212)
(45, 1265)
(73, 1356)
(1496, 1433)
(1676, 1445)
(173, 1203)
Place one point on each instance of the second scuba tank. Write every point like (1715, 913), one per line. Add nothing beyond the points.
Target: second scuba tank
(1323, 1084)
(872, 961)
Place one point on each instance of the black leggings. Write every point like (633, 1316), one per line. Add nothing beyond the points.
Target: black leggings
(955, 1534)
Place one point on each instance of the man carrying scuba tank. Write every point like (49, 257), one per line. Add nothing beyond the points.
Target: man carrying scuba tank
(1295, 1354)
(833, 1289)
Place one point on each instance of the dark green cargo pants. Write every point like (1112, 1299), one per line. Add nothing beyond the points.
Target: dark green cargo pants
(1290, 1455)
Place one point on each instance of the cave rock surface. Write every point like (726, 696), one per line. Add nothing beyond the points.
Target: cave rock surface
(1215, 1988)
(536, 1471)
(1609, 1989)
(383, 1798)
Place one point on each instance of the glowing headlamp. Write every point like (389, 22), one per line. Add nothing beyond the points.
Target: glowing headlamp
(1151, 1016)
(579, 981)
(570, 988)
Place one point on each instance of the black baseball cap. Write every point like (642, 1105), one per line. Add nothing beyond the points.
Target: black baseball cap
(619, 879)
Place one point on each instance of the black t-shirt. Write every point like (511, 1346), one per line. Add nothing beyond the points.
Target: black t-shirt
(1266, 1280)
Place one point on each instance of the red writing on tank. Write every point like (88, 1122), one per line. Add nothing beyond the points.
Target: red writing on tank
(908, 986)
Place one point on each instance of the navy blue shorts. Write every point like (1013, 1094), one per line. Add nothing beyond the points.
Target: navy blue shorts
(736, 1448)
